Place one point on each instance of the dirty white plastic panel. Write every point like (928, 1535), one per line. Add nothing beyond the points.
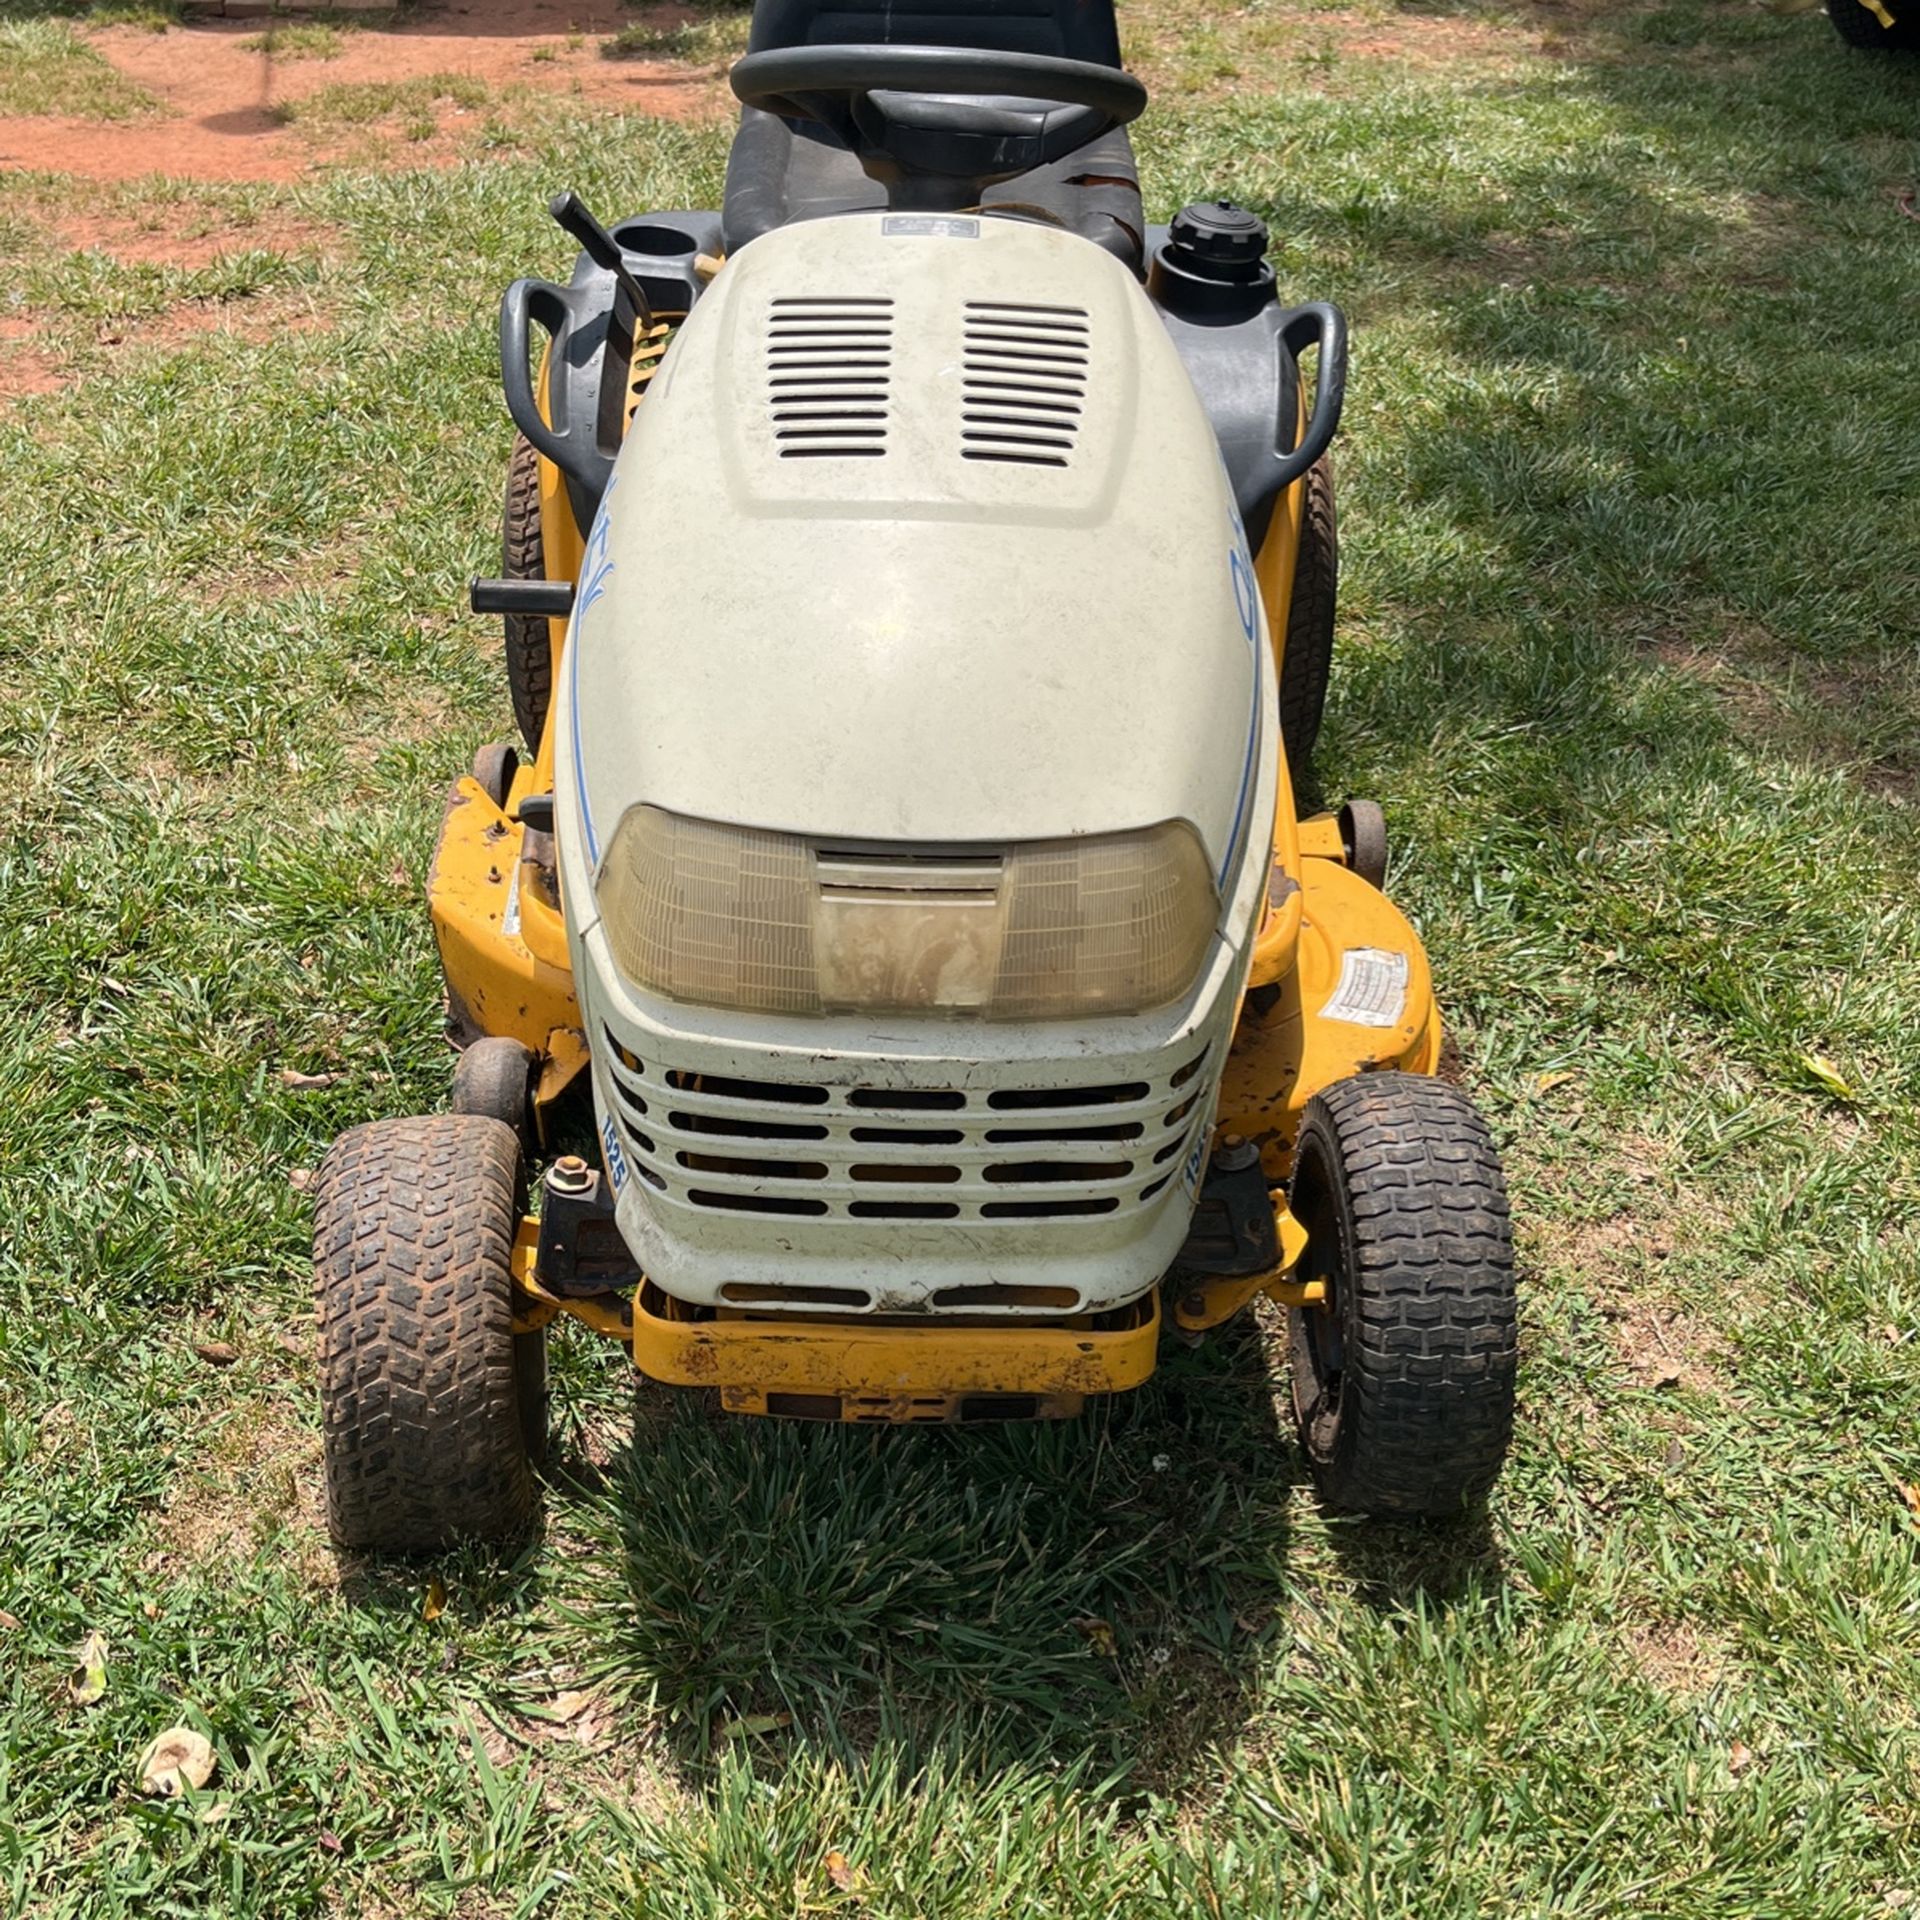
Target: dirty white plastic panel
(877, 605)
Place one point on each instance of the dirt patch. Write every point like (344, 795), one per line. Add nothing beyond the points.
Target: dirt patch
(1854, 712)
(254, 320)
(231, 108)
(24, 370)
(260, 1473)
(1424, 40)
(1663, 1346)
(1672, 1655)
(150, 241)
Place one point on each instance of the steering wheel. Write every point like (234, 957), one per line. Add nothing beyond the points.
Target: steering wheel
(942, 113)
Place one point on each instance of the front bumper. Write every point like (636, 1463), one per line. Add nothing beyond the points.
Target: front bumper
(869, 1370)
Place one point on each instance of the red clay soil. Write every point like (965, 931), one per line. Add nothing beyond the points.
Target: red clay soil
(221, 98)
(23, 371)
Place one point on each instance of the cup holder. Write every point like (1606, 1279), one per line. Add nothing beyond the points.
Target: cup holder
(642, 236)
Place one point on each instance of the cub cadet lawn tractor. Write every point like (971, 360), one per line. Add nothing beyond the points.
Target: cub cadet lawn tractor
(919, 581)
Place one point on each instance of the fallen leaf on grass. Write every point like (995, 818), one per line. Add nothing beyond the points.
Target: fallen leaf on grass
(151, 1608)
(300, 1179)
(216, 1813)
(565, 1708)
(8, 1624)
(217, 1353)
(1817, 1067)
(1098, 1635)
(176, 1759)
(1676, 1455)
(1546, 1082)
(293, 1077)
(433, 1603)
(1910, 1495)
(841, 1871)
(89, 1681)
(330, 1842)
(1739, 1757)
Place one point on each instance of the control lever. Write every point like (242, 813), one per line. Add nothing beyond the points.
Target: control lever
(570, 213)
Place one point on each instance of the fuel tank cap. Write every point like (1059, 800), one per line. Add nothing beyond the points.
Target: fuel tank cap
(1214, 261)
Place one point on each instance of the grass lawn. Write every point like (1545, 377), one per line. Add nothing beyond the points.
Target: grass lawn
(1631, 612)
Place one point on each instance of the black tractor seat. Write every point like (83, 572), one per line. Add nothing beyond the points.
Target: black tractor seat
(781, 171)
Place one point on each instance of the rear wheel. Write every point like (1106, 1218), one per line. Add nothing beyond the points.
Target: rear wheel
(1403, 1378)
(523, 557)
(426, 1397)
(1860, 26)
(1308, 659)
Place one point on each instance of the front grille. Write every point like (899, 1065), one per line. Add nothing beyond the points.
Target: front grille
(944, 1157)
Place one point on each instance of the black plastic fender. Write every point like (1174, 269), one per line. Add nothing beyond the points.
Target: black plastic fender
(589, 325)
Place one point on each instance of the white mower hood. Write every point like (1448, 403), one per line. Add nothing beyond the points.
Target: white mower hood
(921, 536)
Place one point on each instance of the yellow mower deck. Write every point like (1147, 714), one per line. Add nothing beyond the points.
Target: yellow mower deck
(503, 948)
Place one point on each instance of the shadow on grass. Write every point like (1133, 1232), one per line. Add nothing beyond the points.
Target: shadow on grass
(1624, 408)
(1102, 1594)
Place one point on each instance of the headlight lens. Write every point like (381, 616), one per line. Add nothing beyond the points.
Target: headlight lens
(733, 917)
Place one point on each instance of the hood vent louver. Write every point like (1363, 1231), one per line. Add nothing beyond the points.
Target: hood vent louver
(829, 361)
(1025, 379)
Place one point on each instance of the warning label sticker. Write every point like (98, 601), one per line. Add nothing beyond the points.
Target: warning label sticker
(1372, 990)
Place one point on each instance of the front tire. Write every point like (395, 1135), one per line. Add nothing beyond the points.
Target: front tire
(421, 1385)
(1403, 1379)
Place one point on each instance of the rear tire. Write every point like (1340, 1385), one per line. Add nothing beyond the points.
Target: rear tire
(523, 557)
(420, 1383)
(1859, 27)
(1307, 662)
(1403, 1380)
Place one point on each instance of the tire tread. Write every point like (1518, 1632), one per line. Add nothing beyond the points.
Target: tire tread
(529, 649)
(1427, 1386)
(1306, 665)
(413, 1234)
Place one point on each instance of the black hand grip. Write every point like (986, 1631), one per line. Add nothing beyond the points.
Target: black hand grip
(525, 304)
(1319, 323)
(554, 598)
(570, 214)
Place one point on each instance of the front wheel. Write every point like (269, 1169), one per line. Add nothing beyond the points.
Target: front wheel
(1403, 1377)
(425, 1396)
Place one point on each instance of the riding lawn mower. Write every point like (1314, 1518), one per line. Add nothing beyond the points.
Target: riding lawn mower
(919, 583)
